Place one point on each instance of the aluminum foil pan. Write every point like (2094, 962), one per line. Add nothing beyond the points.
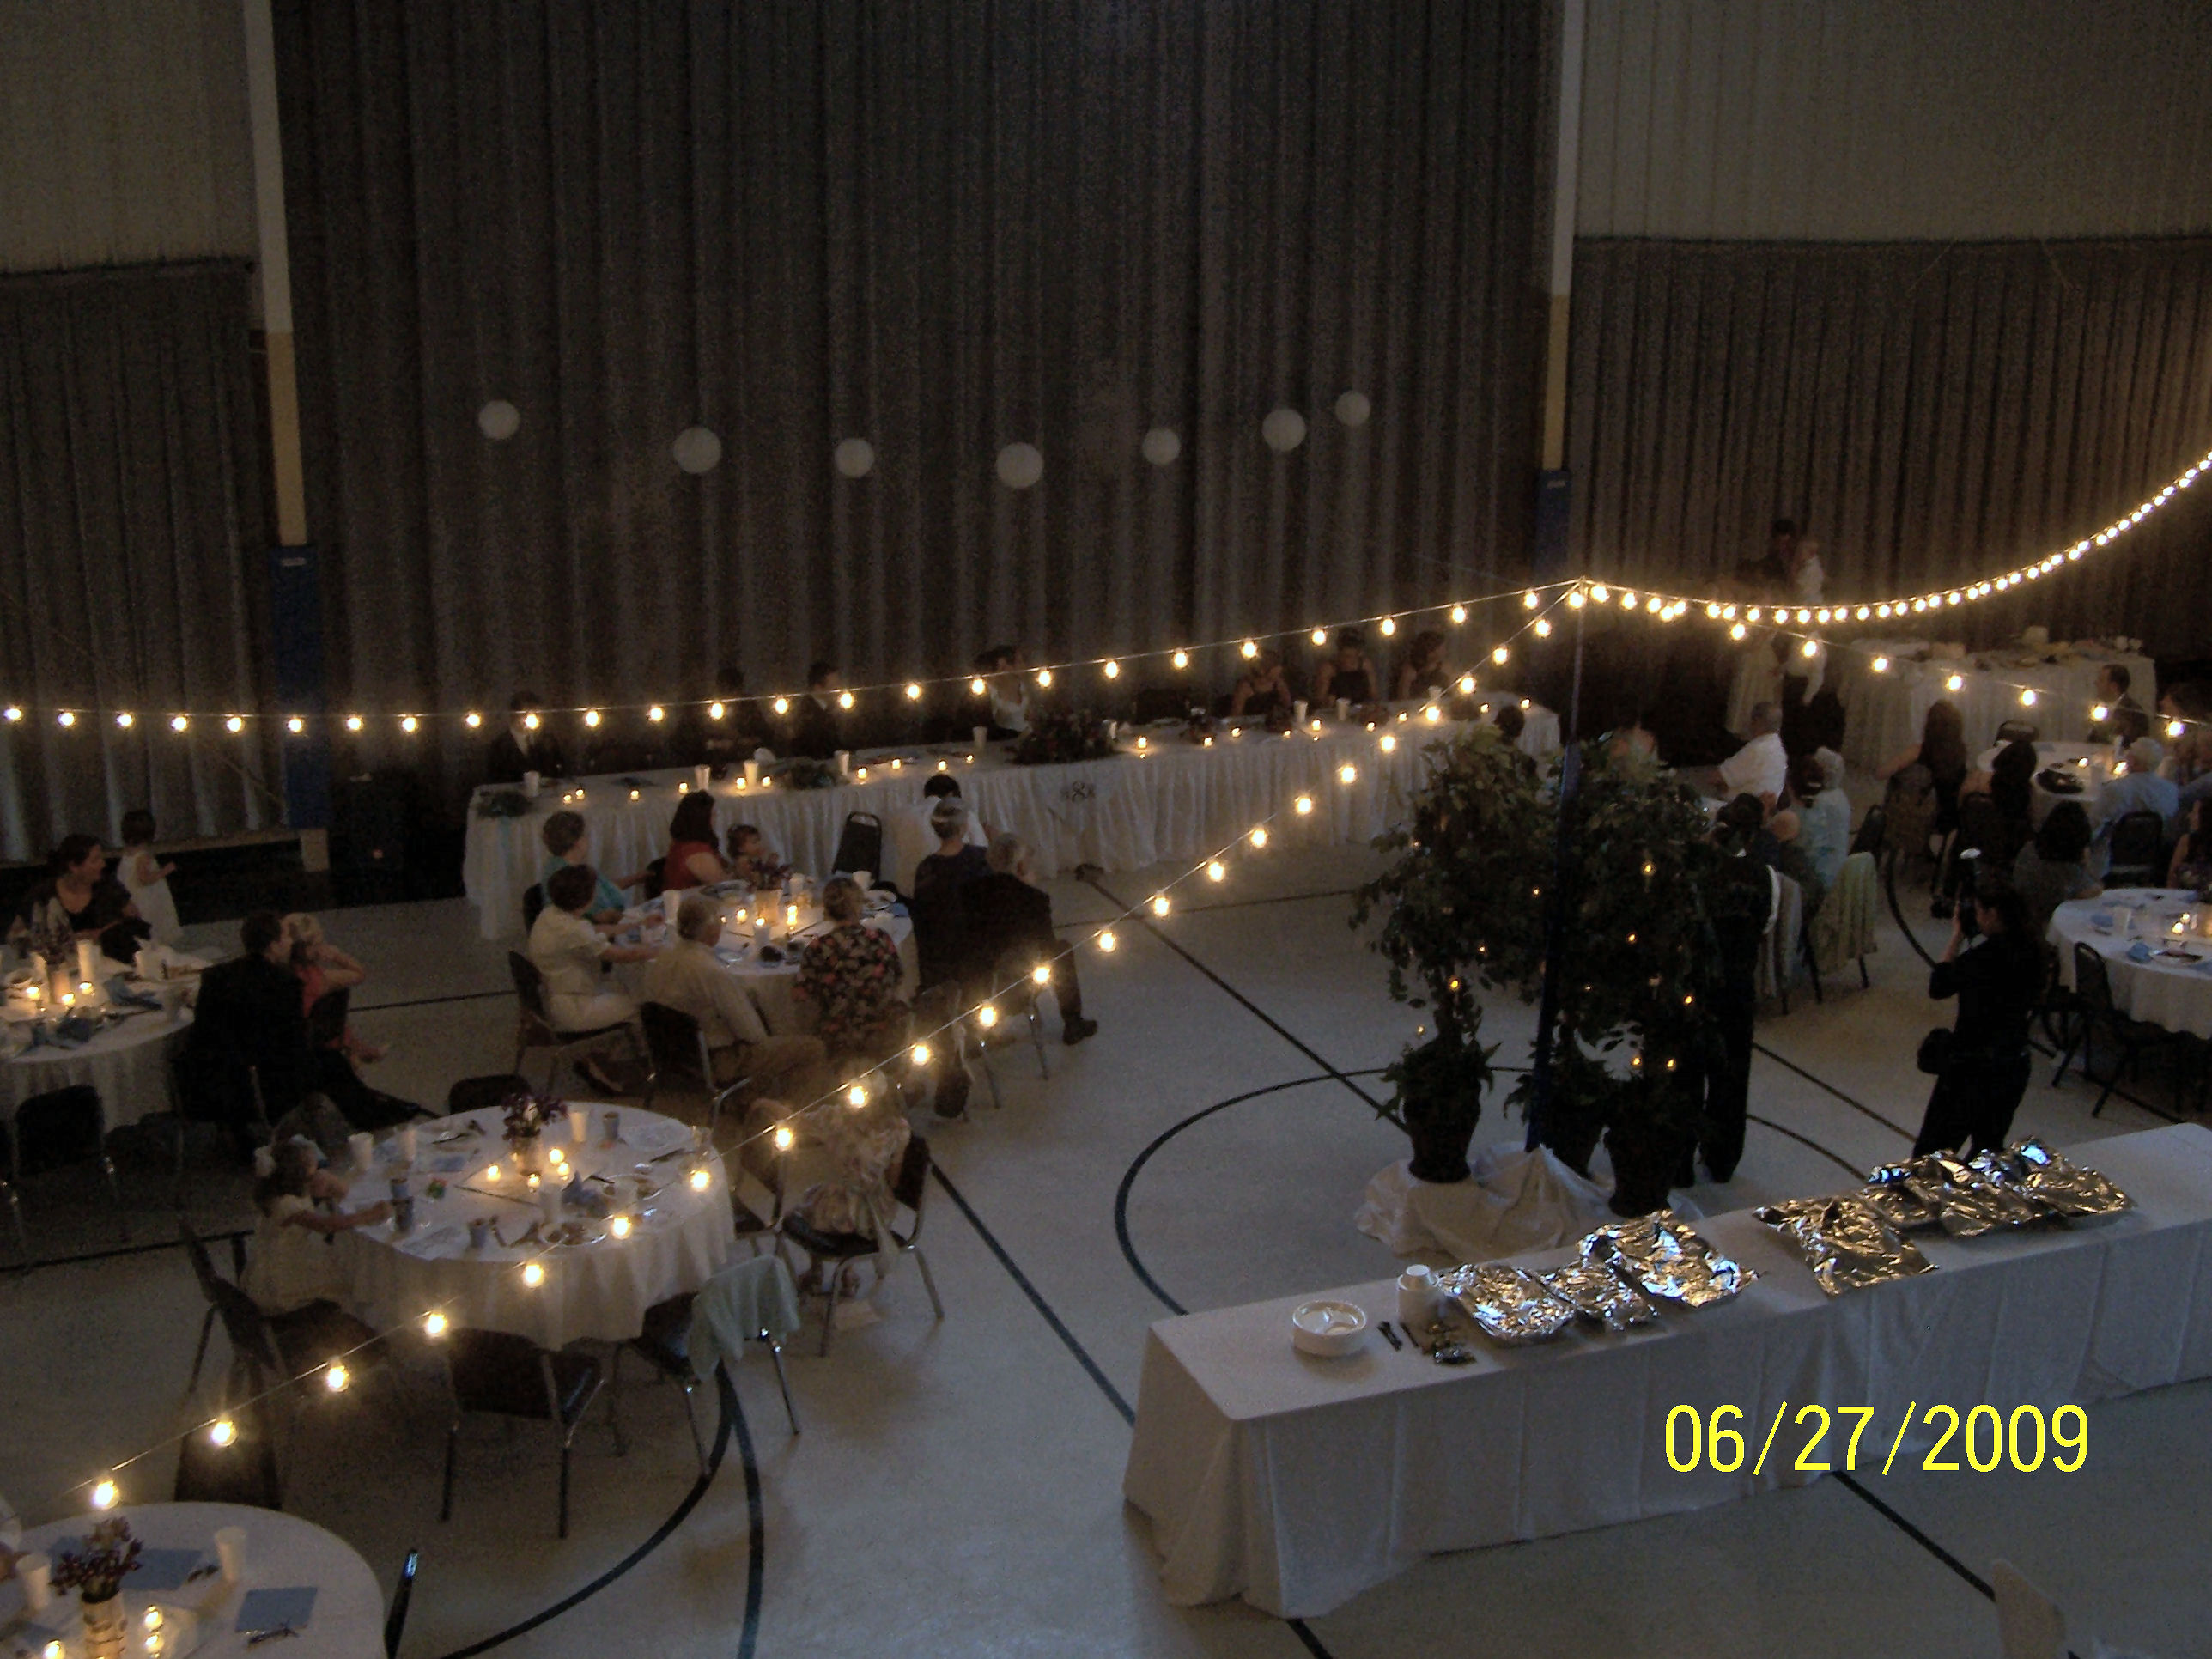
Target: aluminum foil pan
(1969, 1203)
(1896, 1203)
(1846, 1241)
(1599, 1294)
(1509, 1305)
(1665, 1257)
(2067, 1189)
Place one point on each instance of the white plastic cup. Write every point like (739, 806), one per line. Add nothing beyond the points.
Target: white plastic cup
(87, 962)
(702, 776)
(530, 783)
(1435, 694)
(35, 1568)
(1417, 1297)
(549, 1200)
(979, 735)
(364, 1150)
(1344, 708)
(845, 765)
(230, 1552)
(407, 1145)
(752, 774)
(579, 1126)
(671, 900)
(1298, 712)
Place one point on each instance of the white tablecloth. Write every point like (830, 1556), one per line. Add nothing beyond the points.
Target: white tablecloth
(2177, 996)
(773, 985)
(599, 1290)
(2090, 762)
(1296, 1483)
(1884, 711)
(282, 1553)
(127, 1064)
(1176, 800)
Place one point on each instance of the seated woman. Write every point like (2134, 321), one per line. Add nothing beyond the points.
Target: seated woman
(79, 899)
(1348, 677)
(691, 860)
(290, 1269)
(1943, 751)
(1824, 812)
(321, 969)
(2191, 866)
(568, 842)
(752, 861)
(1262, 689)
(568, 952)
(851, 975)
(2054, 867)
(865, 1145)
(1422, 666)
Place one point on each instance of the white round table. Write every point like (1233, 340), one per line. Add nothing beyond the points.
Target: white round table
(2172, 991)
(283, 1552)
(2090, 764)
(127, 1062)
(773, 985)
(596, 1289)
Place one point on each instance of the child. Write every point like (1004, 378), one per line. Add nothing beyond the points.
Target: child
(147, 879)
(291, 1266)
(752, 861)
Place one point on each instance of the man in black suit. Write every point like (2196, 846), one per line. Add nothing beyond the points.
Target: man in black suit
(527, 745)
(817, 719)
(1007, 917)
(250, 1013)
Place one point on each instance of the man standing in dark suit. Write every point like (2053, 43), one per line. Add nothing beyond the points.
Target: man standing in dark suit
(527, 745)
(817, 719)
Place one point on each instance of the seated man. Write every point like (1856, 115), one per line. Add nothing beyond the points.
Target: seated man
(568, 951)
(1008, 916)
(817, 719)
(1761, 767)
(2113, 683)
(249, 1014)
(2138, 789)
(527, 745)
(909, 838)
(688, 978)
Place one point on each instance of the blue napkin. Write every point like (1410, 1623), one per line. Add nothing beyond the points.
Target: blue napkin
(2139, 952)
(163, 1570)
(900, 909)
(120, 993)
(2102, 919)
(449, 1164)
(267, 1609)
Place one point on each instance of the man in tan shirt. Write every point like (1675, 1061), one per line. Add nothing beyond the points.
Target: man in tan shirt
(688, 978)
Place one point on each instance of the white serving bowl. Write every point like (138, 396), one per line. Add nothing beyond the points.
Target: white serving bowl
(1328, 1329)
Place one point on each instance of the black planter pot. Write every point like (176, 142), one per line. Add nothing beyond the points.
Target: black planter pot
(1642, 1177)
(1440, 1147)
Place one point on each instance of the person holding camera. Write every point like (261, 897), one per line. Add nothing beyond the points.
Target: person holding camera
(1981, 1064)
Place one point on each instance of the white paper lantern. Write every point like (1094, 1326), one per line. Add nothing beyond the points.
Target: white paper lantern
(1161, 445)
(1285, 430)
(499, 420)
(1354, 408)
(855, 458)
(1020, 466)
(697, 449)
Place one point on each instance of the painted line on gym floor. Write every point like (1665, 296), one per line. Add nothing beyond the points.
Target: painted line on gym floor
(732, 1421)
(432, 1002)
(130, 1249)
(1249, 1006)
(1857, 1105)
(1844, 1164)
(1072, 1343)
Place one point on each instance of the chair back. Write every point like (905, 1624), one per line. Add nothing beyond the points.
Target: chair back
(395, 1622)
(655, 878)
(530, 988)
(742, 1302)
(940, 937)
(2016, 732)
(1781, 951)
(859, 846)
(2138, 842)
(1908, 811)
(1873, 828)
(196, 1252)
(1981, 826)
(1844, 926)
(246, 1325)
(533, 904)
(1160, 702)
(327, 1020)
(500, 1372)
(910, 1187)
(674, 1042)
(2091, 981)
(473, 1094)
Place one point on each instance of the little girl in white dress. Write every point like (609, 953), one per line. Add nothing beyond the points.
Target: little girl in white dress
(147, 878)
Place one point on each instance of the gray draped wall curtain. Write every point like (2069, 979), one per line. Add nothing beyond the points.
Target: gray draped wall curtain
(1930, 414)
(130, 553)
(941, 227)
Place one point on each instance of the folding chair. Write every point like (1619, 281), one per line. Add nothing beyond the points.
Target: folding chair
(395, 1622)
(860, 845)
(1842, 930)
(1016, 967)
(2137, 851)
(503, 1375)
(2092, 993)
(666, 1342)
(836, 1251)
(534, 1027)
(533, 904)
(2016, 731)
(677, 1046)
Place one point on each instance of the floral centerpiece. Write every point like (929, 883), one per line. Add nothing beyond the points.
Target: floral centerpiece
(96, 1573)
(805, 773)
(503, 804)
(1060, 738)
(525, 1117)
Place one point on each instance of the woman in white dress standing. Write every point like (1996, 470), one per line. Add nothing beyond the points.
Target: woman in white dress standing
(147, 878)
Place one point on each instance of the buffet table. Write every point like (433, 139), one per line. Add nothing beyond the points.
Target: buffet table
(1297, 1482)
(1171, 799)
(1884, 711)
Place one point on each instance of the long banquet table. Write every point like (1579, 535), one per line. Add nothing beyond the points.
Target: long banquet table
(1883, 712)
(1174, 800)
(1296, 1483)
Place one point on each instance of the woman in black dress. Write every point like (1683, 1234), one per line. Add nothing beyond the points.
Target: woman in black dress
(1996, 980)
(1348, 677)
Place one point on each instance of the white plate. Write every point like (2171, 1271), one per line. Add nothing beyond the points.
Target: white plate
(1328, 1328)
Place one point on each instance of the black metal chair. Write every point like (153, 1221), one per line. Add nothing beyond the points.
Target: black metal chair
(2016, 732)
(533, 904)
(1161, 702)
(677, 1049)
(62, 1126)
(836, 1251)
(2094, 1007)
(665, 1345)
(1873, 831)
(860, 845)
(395, 1622)
(503, 1375)
(534, 1026)
(1016, 969)
(473, 1094)
(2137, 850)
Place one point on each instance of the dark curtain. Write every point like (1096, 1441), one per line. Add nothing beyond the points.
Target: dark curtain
(130, 554)
(941, 227)
(1930, 414)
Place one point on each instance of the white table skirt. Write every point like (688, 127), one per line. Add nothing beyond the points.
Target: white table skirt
(1177, 801)
(282, 1553)
(1884, 711)
(1297, 1483)
(774, 987)
(2172, 995)
(127, 1064)
(597, 1291)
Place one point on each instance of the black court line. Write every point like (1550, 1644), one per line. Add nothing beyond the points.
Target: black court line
(430, 1002)
(1857, 1105)
(1068, 1340)
(1249, 1006)
(1846, 1165)
(131, 1249)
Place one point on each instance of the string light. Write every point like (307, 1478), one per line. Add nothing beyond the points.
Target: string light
(1811, 648)
(434, 1325)
(1041, 974)
(11, 714)
(1182, 659)
(354, 723)
(591, 717)
(1389, 743)
(913, 692)
(533, 1274)
(407, 723)
(715, 710)
(1347, 772)
(1458, 615)
(656, 713)
(222, 1433)
(1159, 904)
(921, 1055)
(529, 721)
(337, 1378)
(1259, 835)
(784, 1139)
(123, 719)
(1389, 626)
(235, 724)
(1499, 655)
(66, 718)
(1880, 664)
(1106, 941)
(2027, 697)
(857, 1094)
(295, 725)
(781, 705)
(1044, 679)
(1466, 685)
(1215, 870)
(1113, 670)
(2100, 714)
(1302, 805)
(1543, 628)
(845, 698)
(473, 720)
(701, 1180)
(1955, 683)
(105, 1492)
(1250, 649)
(986, 1016)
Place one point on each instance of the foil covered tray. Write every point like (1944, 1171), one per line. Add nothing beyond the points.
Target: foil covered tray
(1897, 1203)
(1846, 1241)
(1600, 1295)
(1967, 1202)
(1509, 1305)
(1664, 1256)
(2070, 1191)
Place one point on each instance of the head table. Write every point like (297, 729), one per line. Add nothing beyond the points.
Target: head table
(1883, 712)
(1172, 798)
(2157, 974)
(291, 1571)
(1296, 1482)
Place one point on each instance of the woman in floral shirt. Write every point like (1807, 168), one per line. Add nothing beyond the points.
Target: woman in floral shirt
(852, 976)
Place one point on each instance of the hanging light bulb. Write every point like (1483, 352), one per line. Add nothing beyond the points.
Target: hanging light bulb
(235, 724)
(1259, 835)
(715, 710)
(1576, 601)
(1543, 628)
(781, 705)
(407, 723)
(844, 700)
(591, 717)
(701, 1180)
(913, 692)
(2174, 729)
(2100, 714)
(986, 1016)
(1389, 626)
(1320, 637)
(921, 1055)
(1628, 601)
(1389, 742)
(1956, 683)
(1880, 664)
(857, 1094)
(1810, 649)
(1466, 685)
(1044, 677)
(1302, 805)
(533, 1274)
(2028, 698)
(222, 1433)
(1159, 904)
(1499, 655)
(11, 714)
(1113, 670)
(783, 1140)
(1041, 974)
(105, 1492)
(1458, 615)
(1600, 592)
(1347, 774)
(353, 722)
(1215, 870)
(337, 1378)
(1106, 940)
(1182, 659)
(66, 718)
(656, 713)
(1250, 649)
(1736, 631)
